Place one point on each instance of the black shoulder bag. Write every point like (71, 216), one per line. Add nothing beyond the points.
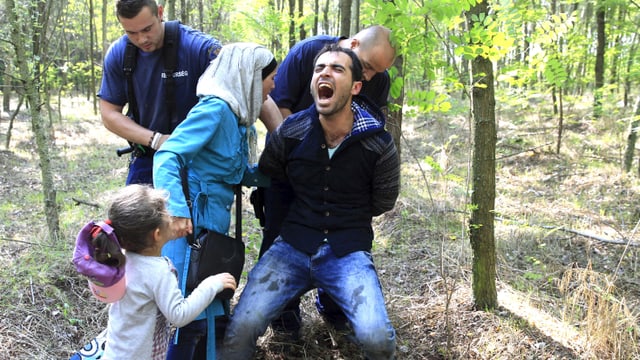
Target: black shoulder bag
(211, 252)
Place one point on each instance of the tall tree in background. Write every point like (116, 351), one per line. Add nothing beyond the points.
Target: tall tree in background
(316, 13)
(184, 12)
(303, 31)
(92, 64)
(105, 43)
(600, 50)
(481, 225)
(292, 23)
(632, 138)
(170, 10)
(630, 62)
(325, 17)
(355, 24)
(27, 36)
(200, 24)
(394, 121)
(345, 18)
(5, 81)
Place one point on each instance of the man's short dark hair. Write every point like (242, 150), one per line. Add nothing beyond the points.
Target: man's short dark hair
(356, 66)
(129, 9)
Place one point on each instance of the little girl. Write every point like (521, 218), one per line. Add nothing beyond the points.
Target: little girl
(140, 314)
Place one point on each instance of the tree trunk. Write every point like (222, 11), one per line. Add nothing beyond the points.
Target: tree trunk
(303, 32)
(92, 64)
(5, 81)
(394, 118)
(292, 23)
(599, 67)
(325, 17)
(614, 78)
(316, 12)
(184, 12)
(345, 18)
(30, 79)
(481, 224)
(7, 140)
(356, 17)
(275, 43)
(104, 41)
(630, 63)
(631, 140)
(169, 10)
(560, 121)
(200, 15)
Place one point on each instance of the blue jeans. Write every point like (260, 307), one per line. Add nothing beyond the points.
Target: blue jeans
(284, 273)
(277, 200)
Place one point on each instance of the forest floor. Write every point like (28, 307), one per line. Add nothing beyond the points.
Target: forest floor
(565, 288)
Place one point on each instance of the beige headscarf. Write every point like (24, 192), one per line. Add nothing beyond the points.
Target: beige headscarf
(235, 76)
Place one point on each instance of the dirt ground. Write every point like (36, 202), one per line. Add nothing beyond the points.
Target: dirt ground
(424, 266)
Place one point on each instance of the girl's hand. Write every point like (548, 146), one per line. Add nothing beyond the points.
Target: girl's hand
(181, 227)
(227, 280)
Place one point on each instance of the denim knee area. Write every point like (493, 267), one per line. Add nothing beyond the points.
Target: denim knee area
(379, 343)
(281, 275)
(352, 282)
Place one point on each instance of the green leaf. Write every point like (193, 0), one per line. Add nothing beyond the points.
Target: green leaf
(396, 87)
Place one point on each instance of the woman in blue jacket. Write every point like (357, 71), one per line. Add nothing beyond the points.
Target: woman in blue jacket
(215, 142)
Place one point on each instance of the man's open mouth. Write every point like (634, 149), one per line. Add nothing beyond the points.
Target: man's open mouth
(325, 91)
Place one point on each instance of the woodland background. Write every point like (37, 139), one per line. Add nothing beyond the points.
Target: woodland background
(516, 122)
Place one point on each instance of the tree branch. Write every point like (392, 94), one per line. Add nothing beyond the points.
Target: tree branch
(20, 241)
(78, 202)
(594, 237)
(622, 241)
